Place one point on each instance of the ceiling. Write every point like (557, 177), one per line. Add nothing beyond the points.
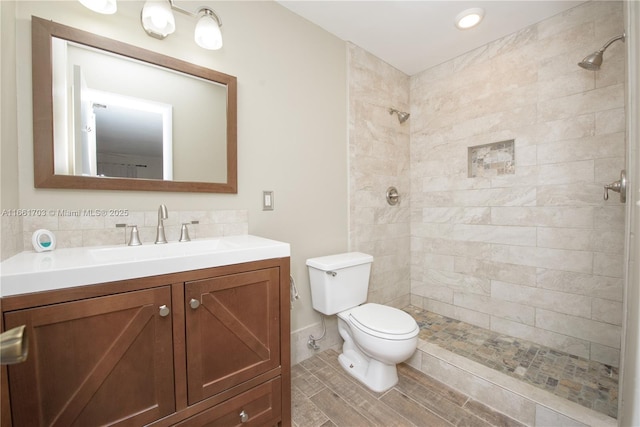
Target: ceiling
(415, 35)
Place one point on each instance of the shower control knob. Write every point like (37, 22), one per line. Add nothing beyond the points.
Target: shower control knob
(393, 197)
(194, 303)
(164, 311)
(619, 186)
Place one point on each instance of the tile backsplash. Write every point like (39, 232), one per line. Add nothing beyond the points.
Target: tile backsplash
(75, 228)
(11, 241)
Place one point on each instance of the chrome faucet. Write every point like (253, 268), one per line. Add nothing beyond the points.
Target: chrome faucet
(162, 215)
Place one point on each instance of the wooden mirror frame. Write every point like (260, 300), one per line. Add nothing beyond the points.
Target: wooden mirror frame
(42, 32)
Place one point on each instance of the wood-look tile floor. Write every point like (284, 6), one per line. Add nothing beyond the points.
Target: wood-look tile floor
(323, 394)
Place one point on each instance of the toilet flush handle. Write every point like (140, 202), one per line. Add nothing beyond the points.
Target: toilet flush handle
(332, 273)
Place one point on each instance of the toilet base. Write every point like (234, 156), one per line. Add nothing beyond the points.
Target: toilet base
(374, 374)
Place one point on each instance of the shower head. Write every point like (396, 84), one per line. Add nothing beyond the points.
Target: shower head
(402, 116)
(594, 61)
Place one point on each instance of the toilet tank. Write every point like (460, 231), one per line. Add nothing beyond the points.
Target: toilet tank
(339, 282)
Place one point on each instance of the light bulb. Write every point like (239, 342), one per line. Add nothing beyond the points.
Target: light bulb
(157, 18)
(207, 34)
(106, 7)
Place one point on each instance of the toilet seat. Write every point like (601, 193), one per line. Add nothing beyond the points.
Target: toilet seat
(383, 322)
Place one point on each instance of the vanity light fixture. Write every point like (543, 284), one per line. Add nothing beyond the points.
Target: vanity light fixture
(469, 18)
(158, 21)
(107, 7)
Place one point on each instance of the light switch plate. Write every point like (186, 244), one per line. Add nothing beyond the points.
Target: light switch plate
(267, 200)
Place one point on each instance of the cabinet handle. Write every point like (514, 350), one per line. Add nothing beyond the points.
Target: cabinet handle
(194, 303)
(244, 417)
(164, 311)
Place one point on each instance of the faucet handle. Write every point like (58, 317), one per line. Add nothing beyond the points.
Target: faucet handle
(184, 233)
(135, 237)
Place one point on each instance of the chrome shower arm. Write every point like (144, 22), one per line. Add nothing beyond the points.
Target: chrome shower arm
(594, 61)
(614, 39)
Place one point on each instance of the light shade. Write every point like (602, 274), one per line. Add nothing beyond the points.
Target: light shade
(107, 7)
(157, 18)
(469, 18)
(207, 34)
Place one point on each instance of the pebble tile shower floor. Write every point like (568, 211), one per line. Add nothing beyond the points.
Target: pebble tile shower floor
(586, 382)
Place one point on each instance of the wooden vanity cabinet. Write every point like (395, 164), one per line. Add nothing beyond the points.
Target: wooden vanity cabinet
(94, 361)
(206, 347)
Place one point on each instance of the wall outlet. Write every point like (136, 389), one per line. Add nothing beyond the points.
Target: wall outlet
(267, 200)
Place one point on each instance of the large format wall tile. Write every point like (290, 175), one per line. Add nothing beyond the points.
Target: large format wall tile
(536, 253)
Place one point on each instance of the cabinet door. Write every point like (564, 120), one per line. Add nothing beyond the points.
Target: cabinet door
(233, 331)
(106, 360)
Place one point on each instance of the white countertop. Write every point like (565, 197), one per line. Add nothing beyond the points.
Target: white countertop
(31, 271)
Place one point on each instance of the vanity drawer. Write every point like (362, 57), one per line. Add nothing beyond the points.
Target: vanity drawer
(262, 405)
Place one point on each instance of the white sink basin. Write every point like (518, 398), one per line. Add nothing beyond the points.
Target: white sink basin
(30, 271)
(150, 251)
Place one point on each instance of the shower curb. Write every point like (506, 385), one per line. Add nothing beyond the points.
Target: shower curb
(520, 401)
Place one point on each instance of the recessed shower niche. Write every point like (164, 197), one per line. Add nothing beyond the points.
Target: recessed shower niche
(489, 160)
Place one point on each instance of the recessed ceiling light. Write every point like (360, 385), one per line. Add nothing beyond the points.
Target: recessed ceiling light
(469, 18)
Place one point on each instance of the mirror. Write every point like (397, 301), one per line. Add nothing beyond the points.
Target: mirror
(123, 132)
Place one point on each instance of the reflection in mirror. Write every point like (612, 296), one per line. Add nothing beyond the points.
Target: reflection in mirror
(130, 137)
(115, 135)
(149, 123)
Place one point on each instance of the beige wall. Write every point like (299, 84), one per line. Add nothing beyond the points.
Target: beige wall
(537, 254)
(11, 238)
(292, 123)
(378, 156)
(378, 159)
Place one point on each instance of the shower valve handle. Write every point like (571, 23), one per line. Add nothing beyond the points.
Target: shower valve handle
(619, 186)
(614, 186)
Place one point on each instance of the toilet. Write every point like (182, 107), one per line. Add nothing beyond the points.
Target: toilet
(376, 337)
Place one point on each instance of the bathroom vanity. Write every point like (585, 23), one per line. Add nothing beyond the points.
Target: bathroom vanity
(203, 344)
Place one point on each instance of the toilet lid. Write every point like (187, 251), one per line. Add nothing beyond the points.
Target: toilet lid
(379, 319)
